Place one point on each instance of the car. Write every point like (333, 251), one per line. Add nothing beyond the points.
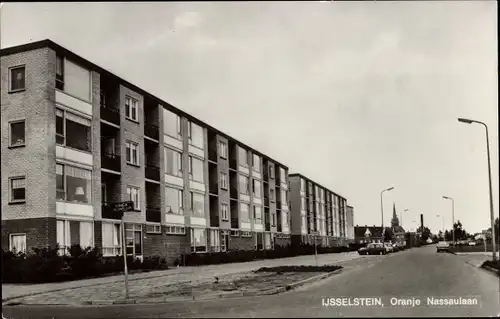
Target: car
(363, 251)
(472, 243)
(442, 246)
(389, 247)
(376, 249)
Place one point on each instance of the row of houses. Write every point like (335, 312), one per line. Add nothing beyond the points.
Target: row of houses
(77, 138)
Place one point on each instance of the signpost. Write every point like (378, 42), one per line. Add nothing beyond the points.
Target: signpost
(315, 234)
(120, 209)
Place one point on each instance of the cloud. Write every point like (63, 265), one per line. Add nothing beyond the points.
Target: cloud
(187, 20)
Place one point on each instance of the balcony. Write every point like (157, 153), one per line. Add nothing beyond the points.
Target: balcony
(111, 161)
(152, 131)
(233, 193)
(266, 201)
(107, 212)
(213, 188)
(233, 164)
(111, 115)
(153, 214)
(152, 172)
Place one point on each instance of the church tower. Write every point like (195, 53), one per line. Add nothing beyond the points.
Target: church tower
(395, 219)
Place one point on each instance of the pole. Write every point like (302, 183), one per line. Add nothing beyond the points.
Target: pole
(315, 250)
(453, 218)
(124, 252)
(492, 213)
(382, 208)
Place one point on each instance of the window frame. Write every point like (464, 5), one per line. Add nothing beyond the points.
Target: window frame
(223, 180)
(133, 102)
(254, 193)
(25, 241)
(21, 66)
(172, 230)
(11, 189)
(193, 240)
(271, 171)
(245, 163)
(248, 218)
(180, 201)
(191, 199)
(65, 183)
(118, 247)
(255, 219)
(224, 209)
(223, 149)
(129, 151)
(65, 133)
(137, 206)
(190, 172)
(178, 155)
(254, 168)
(10, 133)
(178, 124)
(247, 190)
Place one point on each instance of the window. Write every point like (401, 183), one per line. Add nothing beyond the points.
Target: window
(282, 175)
(256, 188)
(17, 189)
(271, 195)
(302, 185)
(173, 162)
(135, 196)
(132, 153)
(73, 79)
(223, 180)
(176, 230)
(18, 243)
(246, 234)
(198, 240)
(133, 239)
(195, 135)
(273, 219)
(73, 184)
(271, 171)
(224, 208)
(243, 184)
(153, 229)
(17, 133)
(174, 198)
(73, 131)
(195, 169)
(256, 163)
(303, 203)
(198, 204)
(171, 124)
(17, 78)
(242, 156)
(285, 219)
(235, 233)
(215, 240)
(244, 212)
(63, 236)
(223, 149)
(131, 108)
(111, 239)
(257, 214)
(284, 200)
(267, 241)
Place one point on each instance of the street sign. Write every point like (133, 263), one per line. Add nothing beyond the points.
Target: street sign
(122, 207)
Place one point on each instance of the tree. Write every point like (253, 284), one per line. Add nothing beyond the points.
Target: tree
(388, 234)
(440, 235)
(426, 233)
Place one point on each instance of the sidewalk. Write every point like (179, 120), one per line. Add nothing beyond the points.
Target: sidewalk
(475, 259)
(113, 287)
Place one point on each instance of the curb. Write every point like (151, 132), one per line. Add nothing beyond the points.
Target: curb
(492, 270)
(315, 278)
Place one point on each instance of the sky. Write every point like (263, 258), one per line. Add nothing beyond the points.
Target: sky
(357, 96)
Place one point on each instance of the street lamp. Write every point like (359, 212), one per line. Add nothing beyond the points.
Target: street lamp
(382, 204)
(452, 215)
(492, 214)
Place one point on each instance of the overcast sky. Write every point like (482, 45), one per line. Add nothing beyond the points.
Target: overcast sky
(357, 96)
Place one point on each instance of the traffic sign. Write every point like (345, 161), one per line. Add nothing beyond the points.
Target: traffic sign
(122, 207)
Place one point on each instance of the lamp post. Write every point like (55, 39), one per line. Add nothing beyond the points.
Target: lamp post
(452, 215)
(492, 214)
(382, 207)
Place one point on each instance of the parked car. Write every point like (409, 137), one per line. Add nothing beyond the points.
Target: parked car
(472, 243)
(442, 246)
(376, 249)
(363, 251)
(389, 247)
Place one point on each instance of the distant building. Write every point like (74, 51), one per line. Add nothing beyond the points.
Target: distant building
(349, 223)
(398, 231)
(368, 234)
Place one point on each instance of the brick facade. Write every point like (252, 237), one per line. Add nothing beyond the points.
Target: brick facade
(40, 232)
(241, 243)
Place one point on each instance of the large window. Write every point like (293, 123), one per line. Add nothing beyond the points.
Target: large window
(84, 229)
(172, 124)
(195, 135)
(244, 212)
(173, 162)
(17, 78)
(223, 180)
(256, 188)
(282, 175)
(195, 169)
(131, 108)
(223, 149)
(73, 79)
(132, 155)
(17, 243)
(215, 239)
(198, 240)
(111, 239)
(257, 214)
(174, 200)
(73, 184)
(17, 189)
(198, 204)
(243, 180)
(224, 209)
(17, 133)
(73, 131)
(256, 163)
(242, 156)
(134, 194)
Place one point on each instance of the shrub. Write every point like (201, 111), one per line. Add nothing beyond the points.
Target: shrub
(42, 265)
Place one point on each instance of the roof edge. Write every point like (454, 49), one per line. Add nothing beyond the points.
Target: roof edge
(312, 181)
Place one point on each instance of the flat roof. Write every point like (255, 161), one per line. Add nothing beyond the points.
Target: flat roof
(84, 62)
(318, 184)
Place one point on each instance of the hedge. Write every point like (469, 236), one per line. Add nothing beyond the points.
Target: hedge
(46, 265)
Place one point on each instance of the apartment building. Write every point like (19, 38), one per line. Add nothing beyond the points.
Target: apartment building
(77, 138)
(317, 213)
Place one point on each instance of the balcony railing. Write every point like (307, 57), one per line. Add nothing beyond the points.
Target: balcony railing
(152, 172)
(212, 155)
(153, 214)
(111, 161)
(152, 131)
(107, 212)
(111, 115)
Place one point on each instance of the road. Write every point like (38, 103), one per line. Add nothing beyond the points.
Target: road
(419, 273)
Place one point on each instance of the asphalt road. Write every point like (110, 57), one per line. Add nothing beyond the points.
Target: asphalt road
(419, 273)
